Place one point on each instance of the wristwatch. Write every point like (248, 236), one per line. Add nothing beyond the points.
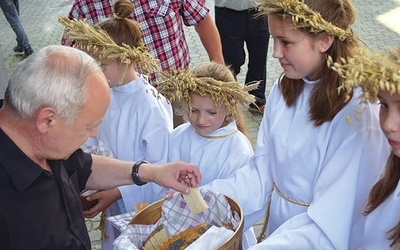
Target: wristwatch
(135, 173)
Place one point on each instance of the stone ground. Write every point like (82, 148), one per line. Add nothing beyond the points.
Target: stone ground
(377, 23)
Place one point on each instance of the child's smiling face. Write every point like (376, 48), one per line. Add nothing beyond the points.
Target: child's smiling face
(299, 55)
(205, 117)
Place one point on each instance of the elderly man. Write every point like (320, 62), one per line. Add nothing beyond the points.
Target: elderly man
(55, 100)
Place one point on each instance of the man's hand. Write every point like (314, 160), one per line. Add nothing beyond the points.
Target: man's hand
(176, 175)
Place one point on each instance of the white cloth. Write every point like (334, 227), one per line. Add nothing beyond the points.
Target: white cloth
(332, 167)
(211, 239)
(176, 217)
(135, 127)
(383, 219)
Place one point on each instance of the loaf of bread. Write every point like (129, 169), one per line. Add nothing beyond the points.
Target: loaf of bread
(195, 201)
(184, 239)
(157, 237)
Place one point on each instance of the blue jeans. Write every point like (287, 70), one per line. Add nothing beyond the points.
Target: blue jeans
(10, 9)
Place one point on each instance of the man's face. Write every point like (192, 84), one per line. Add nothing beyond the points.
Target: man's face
(63, 139)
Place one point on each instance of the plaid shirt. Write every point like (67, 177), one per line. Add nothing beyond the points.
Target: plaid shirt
(160, 22)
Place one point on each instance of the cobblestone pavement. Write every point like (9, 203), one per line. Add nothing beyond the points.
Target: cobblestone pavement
(377, 23)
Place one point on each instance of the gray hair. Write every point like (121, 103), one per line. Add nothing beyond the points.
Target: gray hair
(53, 77)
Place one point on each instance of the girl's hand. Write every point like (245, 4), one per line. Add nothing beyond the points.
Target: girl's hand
(105, 198)
(169, 194)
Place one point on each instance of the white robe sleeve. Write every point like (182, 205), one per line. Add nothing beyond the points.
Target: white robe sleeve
(251, 184)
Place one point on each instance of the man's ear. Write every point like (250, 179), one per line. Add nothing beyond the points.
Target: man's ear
(325, 42)
(45, 119)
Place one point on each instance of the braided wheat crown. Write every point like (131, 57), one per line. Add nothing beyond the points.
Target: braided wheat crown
(96, 41)
(371, 71)
(178, 85)
(304, 17)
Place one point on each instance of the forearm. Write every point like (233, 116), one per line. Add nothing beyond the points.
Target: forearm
(210, 39)
(109, 173)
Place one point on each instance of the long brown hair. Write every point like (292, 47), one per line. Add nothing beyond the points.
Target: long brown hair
(221, 73)
(120, 28)
(382, 190)
(325, 101)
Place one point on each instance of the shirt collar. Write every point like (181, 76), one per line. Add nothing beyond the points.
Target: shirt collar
(20, 168)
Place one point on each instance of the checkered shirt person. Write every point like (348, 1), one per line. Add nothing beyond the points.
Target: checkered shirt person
(161, 25)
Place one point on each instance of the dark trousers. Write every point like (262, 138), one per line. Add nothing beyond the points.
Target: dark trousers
(237, 28)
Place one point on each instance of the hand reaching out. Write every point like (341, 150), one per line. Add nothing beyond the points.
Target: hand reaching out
(176, 175)
(105, 198)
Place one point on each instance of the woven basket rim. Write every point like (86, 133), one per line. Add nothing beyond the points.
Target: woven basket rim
(155, 208)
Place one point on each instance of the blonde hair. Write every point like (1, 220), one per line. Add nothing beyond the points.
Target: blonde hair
(221, 73)
(212, 79)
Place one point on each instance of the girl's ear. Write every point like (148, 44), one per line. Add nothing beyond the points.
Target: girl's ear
(325, 41)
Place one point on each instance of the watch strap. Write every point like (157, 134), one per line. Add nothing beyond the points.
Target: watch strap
(135, 173)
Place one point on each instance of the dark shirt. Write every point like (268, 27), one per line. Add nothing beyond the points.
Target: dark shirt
(41, 209)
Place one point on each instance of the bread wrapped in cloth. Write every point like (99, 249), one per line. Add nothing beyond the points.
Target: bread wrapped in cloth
(176, 217)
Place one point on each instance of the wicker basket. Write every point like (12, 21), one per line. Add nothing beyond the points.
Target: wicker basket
(152, 213)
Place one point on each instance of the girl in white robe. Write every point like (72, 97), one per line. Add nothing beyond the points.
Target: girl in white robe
(377, 75)
(138, 120)
(317, 153)
(215, 138)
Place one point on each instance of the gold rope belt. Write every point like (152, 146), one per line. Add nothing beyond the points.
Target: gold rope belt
(264, 227)
(290, 199)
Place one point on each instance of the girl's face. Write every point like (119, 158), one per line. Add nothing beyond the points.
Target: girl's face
(389, 118)
(299, 55)
(112, 70)
(205, 117)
